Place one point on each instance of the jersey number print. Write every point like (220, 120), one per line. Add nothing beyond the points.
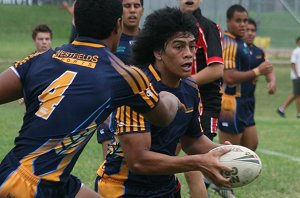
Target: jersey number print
(53, 94)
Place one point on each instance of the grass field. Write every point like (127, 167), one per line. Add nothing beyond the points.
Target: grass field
(278, 148)
(279, 138)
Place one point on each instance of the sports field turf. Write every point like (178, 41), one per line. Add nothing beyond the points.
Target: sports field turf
(279, 138)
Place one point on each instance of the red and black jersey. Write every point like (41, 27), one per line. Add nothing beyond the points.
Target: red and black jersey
(209, 50)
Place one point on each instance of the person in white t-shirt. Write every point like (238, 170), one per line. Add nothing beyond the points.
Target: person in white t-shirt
(295, 76)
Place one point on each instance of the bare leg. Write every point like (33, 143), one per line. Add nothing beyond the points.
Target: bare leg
(298, 104)
(233, 138)
(196, 184)
(85, 192)
(288, 101)
(249, 138)
(104, 148)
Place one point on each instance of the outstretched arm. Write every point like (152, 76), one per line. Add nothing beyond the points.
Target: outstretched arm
(10, 86)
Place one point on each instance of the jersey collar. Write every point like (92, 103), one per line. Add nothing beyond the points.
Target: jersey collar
(232, 35)
(87, 41)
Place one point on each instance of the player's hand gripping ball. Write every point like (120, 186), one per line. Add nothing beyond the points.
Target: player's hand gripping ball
(245, 164)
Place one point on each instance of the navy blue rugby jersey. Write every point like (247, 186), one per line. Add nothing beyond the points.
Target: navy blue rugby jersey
(67, 92)
(257, 56)
(236, 56)
(163, 140)
(123, 51)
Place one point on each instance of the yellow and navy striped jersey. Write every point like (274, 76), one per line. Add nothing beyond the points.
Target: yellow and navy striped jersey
(236, 55)
(67, 92)
(163, 140)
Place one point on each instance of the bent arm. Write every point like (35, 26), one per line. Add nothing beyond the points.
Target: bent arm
(10, 86)
(165, 111)
(143, 161)
(200, 145)
(209, 74)
(233, 76)
(271, 79)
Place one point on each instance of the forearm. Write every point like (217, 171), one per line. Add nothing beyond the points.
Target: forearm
(200, 145)
(270, 78)
(152, 163)
(209, 74)
(235, 77)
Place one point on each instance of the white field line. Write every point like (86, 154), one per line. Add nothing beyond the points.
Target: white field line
(278, 154)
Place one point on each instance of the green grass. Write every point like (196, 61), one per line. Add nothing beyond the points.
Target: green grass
(17, 22)
(280, 175)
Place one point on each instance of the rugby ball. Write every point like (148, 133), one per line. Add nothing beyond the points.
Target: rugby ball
(245, 164)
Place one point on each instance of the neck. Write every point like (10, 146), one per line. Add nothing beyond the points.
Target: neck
(108, 43)
(166, 77)
(131, 31)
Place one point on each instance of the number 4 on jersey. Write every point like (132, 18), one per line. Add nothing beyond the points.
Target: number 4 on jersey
(53, 94)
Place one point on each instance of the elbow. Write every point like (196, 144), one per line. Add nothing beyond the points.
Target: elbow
(137, 168)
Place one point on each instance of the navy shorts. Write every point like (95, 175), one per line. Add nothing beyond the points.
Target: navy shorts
(17, 181)
(236, 114)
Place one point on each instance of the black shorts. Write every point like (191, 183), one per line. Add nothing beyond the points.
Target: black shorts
(296, 86)
(209, 124)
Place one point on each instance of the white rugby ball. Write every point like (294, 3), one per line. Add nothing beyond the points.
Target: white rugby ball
(245, 163)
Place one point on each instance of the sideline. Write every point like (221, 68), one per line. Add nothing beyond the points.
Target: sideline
(282, 155)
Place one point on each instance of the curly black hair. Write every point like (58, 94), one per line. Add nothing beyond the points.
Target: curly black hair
(158, 28)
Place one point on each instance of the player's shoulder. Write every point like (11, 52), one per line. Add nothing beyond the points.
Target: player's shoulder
(190, 83)
(31, 57)
(229, 39)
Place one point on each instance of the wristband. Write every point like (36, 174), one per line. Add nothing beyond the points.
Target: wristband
(256, 71)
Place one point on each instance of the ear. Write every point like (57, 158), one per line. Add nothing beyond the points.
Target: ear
(119, 26)
(143, 12)
(157, 55)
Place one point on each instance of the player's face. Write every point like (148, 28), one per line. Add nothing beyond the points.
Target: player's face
(177, 57)
(237, 25)
(189, 5)
(42, 41)
(250, 34)
(132, 13)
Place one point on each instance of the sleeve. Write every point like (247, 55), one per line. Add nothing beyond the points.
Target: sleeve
(213, 38)
(137, 91)
(229, 54)
(21, 67)
(127, 121)
(195, 128)
(294, 57)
